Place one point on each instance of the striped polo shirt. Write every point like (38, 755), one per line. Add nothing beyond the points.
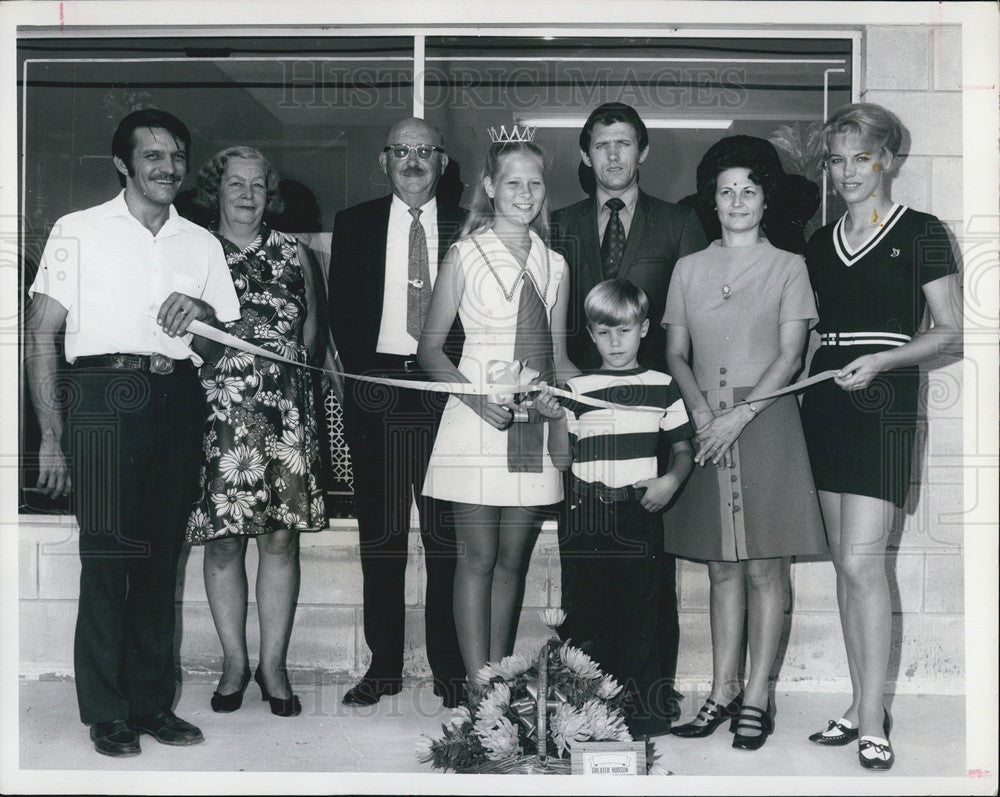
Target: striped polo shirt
(617, 447)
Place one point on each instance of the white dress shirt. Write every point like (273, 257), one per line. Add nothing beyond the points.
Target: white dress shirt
(392, 335)
(112, 274)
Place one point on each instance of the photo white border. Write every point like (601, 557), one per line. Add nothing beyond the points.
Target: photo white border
(980, 56)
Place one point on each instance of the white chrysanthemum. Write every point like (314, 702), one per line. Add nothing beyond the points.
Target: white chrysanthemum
(199, 524)
(553, 617)
(224, 390)
(234, 360)
(290, 450)
(243, 466)
(499, 740)
(422, 748)
(608, 688)
(604, 725)
(459, 717)
(510, 667)
(579, 662)
(500, 694)
(484, 674)
(568, 726)
(234, 503)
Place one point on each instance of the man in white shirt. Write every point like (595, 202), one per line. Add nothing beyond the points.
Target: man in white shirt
(125, 279)
(383, 263)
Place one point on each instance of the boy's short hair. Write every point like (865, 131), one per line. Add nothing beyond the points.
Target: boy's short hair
(616, 302)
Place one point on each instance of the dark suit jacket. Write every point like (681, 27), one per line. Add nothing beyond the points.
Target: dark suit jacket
(660, 233)
(357, 278)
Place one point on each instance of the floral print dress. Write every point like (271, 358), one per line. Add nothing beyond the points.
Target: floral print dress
(262, 463)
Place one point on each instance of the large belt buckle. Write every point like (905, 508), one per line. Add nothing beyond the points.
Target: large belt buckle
(603, 500)
(160, 364)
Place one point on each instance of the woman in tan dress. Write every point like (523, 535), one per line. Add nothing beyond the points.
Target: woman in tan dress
(737, 317)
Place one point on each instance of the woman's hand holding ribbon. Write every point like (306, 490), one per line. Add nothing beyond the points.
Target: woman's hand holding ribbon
(714, 441)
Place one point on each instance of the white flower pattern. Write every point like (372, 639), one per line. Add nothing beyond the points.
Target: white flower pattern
(261, 447)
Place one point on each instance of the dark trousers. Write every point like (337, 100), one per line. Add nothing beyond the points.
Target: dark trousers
(135, 445)
(391, 432)
(612, 584)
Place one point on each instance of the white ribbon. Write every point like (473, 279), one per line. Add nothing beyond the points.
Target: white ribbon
(463, 388)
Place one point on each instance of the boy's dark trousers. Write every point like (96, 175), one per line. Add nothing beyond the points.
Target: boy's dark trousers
(611, 553)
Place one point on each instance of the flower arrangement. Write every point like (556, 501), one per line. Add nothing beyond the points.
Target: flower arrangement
(526, 715)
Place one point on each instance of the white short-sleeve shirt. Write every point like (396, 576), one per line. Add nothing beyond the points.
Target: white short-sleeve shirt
(112, 274)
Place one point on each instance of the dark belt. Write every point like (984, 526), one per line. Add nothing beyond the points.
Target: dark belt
(606, 495)
(158, 364)
(396, 367)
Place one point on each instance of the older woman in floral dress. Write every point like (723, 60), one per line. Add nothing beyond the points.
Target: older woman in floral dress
(261, 477)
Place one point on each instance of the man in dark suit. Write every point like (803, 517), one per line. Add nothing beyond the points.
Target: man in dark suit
(622, 232)
(384, 258)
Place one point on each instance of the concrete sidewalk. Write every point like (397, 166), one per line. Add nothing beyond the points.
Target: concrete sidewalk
(928, 736)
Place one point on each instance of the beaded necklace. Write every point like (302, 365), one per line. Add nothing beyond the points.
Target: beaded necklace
(524, 274)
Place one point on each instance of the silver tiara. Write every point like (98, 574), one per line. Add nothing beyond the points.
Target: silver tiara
(516, 134)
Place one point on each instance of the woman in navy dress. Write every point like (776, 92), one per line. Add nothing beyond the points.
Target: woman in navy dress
(875, 271)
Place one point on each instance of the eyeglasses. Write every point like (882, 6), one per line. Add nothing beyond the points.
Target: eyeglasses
(424, 151)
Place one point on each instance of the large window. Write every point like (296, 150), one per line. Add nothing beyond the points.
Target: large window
(319, 106)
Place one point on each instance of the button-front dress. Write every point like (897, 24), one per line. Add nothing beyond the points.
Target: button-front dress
(732, 300)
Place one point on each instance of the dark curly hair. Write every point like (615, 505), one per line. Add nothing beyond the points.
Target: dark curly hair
(210, 176)
(740, 152)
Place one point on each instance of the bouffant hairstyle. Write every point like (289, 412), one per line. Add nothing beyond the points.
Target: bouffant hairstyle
(615, 303)
(877, 127)
(611, 113)
(740, 152)
(123, 140)
(481, 210)
(210, 177)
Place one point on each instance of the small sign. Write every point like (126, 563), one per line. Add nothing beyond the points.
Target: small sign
(608, 758)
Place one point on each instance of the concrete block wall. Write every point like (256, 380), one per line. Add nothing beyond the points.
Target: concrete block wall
(915, 71)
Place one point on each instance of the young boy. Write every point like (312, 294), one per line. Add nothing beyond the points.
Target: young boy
(616, 497)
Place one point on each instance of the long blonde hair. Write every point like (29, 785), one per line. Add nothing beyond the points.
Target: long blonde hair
(481, 211)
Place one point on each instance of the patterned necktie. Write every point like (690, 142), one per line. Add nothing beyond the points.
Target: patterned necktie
(533, 348)
(418, 293)
(613, 245)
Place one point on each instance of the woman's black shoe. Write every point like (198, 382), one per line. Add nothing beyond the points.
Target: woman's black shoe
(223, 704)
(713, 715)
(280, 706)
(882, 756)
(753, 718)
(845, 735)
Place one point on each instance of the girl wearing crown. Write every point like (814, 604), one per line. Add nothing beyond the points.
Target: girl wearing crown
(491, 457)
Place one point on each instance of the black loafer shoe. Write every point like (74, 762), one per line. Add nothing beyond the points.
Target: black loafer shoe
(368, 691)
(167, 728)
(451, 692)
(115, 739)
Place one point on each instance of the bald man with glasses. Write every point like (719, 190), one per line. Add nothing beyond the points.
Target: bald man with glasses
(384, 259)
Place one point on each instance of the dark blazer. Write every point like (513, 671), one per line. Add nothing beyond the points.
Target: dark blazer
(660, 233)
(357, 278)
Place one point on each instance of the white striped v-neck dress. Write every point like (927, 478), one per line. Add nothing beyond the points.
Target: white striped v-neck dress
(869, 299)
